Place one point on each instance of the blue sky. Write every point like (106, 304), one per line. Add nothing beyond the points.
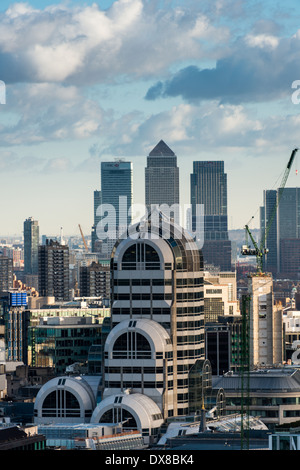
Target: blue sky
(98, 80)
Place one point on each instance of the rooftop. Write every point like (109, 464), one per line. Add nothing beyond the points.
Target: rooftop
(161, 149)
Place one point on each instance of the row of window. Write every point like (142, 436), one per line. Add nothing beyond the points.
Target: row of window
(182, 369)
(180, 296)
(186, 282)
(139, 355)
(190, 339)
(139, 311)
(139, 296)
(134, 370)
(153, 384)
(181, 311)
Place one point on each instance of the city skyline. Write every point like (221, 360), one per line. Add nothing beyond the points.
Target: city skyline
(106, 98)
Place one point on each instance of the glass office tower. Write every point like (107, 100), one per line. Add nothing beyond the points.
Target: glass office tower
(283, 232)
(209, 189)
(116, 192)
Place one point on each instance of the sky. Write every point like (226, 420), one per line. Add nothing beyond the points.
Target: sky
(93, 81)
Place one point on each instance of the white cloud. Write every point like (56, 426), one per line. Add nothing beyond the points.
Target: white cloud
(86, 45)
(262, 41)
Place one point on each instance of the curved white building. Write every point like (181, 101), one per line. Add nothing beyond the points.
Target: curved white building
(157, 336)
(157, 314)
(67, 399)
(134, 411)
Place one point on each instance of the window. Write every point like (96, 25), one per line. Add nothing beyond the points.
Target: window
(131, 345)
(119, 415)
(140, 256)
(60, 403)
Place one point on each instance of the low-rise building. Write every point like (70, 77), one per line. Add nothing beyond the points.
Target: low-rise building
(272, 394)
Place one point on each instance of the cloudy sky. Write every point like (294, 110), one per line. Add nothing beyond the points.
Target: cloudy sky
(92, 81)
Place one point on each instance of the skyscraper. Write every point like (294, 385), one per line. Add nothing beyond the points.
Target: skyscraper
(6, 273)
(283, 232)
(114, 214)
(157, 321)
(54, 271)
(209, 189)
(161, 177)
(31, 246)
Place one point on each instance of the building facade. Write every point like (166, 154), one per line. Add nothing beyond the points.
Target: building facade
(161, 177)
(220, 295)
(208, 186)
(31, 246)
(6, 273)
(265, 323)
(97, 203)
(157, 316)
(95, 280)
(116, 191)
(54, 271)
(283, 234)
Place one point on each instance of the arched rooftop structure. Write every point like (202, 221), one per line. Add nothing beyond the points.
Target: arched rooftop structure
(133, 410)
(65, 399)
(157, 229)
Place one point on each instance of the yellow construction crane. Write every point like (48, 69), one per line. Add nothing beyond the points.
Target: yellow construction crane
(84, 242)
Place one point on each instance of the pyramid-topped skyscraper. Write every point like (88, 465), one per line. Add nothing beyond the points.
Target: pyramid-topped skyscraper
(161, 177)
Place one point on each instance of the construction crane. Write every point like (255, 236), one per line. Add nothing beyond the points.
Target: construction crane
(84, 242)
(261, 250)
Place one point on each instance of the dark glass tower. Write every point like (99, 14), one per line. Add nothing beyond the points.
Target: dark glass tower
(31, 246)
(283, 234)
(209, 189)
(270, 261)
(116, 190)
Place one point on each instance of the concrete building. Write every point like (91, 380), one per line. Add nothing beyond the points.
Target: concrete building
(31, 246)
(157, 315)
(6, 273)
(265, 323)
(220, 295)
(95, 280)
(54, 271)
(273, 394)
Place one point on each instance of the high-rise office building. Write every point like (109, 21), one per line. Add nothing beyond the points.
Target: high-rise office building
(6, 273)
(161, 177)
(114, 214)
(31, 246)
(54, 271)
(209, 190)
(116, 190)
(157, 319)
(281, 224)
